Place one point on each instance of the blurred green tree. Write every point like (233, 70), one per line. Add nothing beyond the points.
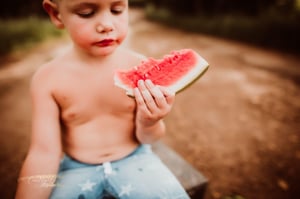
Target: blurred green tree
(20, 8)
(215, 7)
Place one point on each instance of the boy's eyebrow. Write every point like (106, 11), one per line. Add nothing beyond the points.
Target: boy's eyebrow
(92, 4)
(119, 2)
(79, 5)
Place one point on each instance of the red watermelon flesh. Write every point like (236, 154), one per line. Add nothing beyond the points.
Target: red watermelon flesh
(176, 71)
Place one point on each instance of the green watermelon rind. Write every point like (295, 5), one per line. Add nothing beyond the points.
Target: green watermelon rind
(191, 77)
(192, 81)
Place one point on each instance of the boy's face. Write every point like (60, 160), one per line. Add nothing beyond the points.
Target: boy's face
(95, 26)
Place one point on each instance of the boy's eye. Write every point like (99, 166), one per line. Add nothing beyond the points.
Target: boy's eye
(117, 10)
(86, 14)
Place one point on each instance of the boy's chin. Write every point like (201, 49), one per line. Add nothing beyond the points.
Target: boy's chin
(104, 51)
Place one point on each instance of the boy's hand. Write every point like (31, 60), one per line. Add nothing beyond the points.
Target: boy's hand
(153, 102)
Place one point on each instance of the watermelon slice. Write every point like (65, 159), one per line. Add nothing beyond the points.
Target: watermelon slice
(176, 71)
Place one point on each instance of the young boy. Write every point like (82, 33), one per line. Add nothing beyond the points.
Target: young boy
(87, 135)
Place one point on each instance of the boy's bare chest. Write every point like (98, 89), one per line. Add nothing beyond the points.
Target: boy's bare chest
(84, 96)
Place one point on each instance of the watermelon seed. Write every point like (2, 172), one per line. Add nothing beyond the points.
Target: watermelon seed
(146, 75)
(157, 67)
(170, 61)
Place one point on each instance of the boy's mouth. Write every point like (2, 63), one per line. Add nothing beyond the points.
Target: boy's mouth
(104, 42)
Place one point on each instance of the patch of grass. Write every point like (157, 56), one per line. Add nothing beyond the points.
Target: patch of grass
(268, 29)
(16, 34)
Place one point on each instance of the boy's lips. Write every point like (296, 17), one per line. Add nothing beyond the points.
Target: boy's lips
(104, 42)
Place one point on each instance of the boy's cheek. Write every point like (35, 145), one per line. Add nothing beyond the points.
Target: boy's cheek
(80, 32)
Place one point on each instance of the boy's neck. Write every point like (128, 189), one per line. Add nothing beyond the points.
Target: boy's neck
(90, 59)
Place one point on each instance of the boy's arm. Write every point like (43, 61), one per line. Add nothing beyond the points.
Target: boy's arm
(42, 161)
(153, 104)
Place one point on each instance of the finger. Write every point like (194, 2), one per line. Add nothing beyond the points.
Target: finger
(156, 93)
(140, 101)
(144, 91)
(147, 96)
(168, 93)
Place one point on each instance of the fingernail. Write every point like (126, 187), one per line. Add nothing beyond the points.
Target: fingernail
(148, 81)
(140, 82)
(135, 91)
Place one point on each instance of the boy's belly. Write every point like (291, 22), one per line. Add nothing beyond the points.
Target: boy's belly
(100, 140)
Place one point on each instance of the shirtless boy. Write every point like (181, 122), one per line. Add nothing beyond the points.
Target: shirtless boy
(85, 131)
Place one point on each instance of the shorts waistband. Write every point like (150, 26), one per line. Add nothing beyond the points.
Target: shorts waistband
(68, 162)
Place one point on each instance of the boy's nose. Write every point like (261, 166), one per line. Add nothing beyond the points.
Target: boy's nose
(104, 28)
(104, 25)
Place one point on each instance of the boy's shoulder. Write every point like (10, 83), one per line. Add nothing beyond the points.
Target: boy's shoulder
(137, 55)
(54, 66)
(133, 58)
(46, 69)
(45, 74)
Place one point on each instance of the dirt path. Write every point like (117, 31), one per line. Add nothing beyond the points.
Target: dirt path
(239, 124)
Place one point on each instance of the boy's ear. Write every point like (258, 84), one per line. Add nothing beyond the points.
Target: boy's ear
(52, 9)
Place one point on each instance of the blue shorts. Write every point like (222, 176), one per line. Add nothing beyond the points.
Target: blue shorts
(140, 175)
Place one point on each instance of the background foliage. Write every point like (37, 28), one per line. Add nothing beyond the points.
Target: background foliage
(270, 23)
(20, 33)
(23, 23)
(21, 8)
(217, 7)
